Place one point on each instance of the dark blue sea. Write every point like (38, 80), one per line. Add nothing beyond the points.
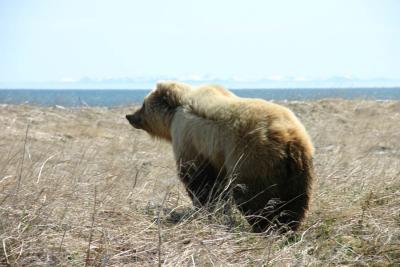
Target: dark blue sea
(113, 97)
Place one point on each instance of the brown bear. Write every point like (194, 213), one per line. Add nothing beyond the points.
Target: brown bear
(224, 145)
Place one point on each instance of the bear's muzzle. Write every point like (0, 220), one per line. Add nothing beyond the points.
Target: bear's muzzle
(134, 120)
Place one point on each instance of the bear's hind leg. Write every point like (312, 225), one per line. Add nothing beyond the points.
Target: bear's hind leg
(267, 212)
(252, 206)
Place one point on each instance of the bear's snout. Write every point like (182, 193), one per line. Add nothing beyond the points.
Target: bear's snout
(134, 120)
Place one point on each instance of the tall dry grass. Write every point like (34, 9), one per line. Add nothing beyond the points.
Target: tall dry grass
(80, 187)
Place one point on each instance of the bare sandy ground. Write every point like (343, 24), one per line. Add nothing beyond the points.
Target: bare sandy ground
(82, 187)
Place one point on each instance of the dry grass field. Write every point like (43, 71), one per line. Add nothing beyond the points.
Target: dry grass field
(81, 187)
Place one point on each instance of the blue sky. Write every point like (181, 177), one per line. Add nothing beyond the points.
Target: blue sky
(68, 39)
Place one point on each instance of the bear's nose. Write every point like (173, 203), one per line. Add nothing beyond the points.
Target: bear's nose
(130, 118)
(134, 120)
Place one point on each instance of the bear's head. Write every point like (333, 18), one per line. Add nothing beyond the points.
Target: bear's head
(158, 109)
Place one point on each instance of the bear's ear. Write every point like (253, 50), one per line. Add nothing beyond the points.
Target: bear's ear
(169, 93)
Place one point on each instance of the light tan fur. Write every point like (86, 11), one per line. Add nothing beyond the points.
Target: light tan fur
(261, 144)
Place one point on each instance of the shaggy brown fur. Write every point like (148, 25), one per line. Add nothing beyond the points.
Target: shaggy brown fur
(224, 145)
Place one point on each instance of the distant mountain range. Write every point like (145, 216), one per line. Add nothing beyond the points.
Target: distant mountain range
(236, 83)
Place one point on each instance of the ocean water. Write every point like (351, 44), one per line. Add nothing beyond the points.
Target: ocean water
(113, 97)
